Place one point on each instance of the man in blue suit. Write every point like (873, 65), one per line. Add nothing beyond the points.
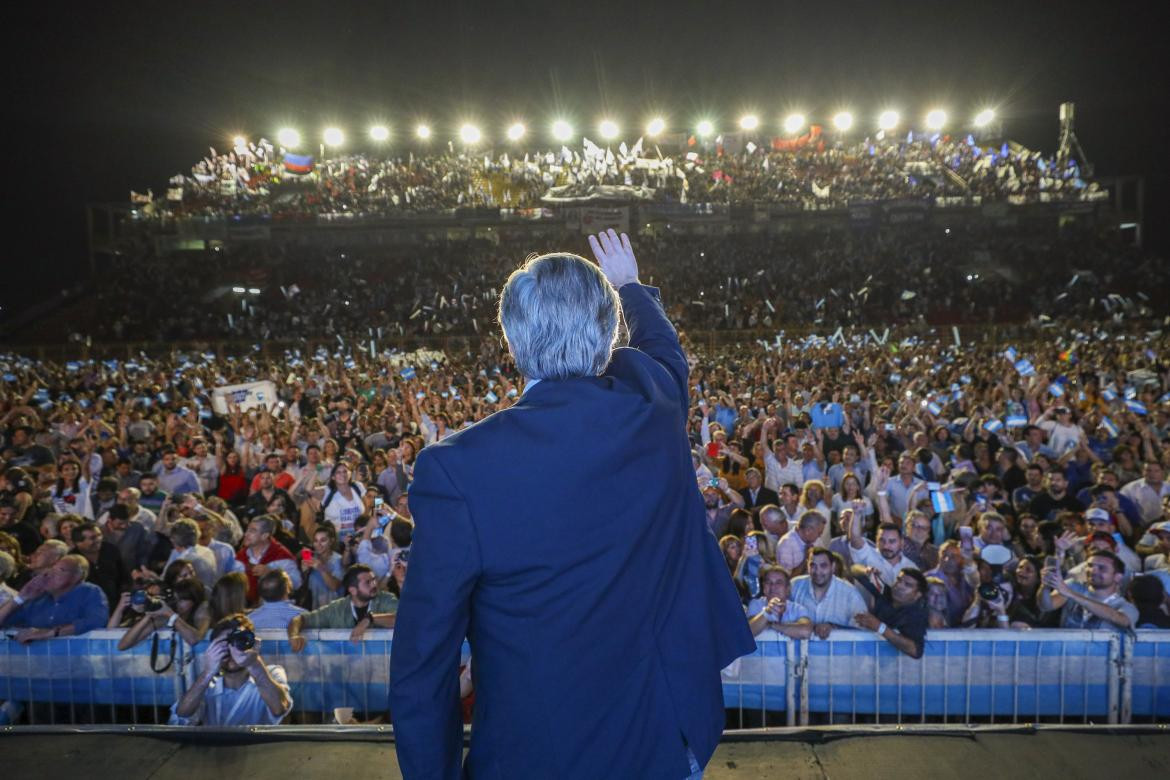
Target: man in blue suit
(565, 537)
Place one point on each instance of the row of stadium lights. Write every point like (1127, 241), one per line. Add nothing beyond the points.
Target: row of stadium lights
(608, 129)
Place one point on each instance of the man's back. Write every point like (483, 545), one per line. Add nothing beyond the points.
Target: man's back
(567, 538)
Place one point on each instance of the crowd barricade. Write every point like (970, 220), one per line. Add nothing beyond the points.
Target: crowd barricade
(86, 679)
(964, 676)
(1146, 683)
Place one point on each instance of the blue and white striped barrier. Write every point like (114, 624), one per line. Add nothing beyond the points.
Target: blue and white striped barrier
(1147, 689)
(764, 681)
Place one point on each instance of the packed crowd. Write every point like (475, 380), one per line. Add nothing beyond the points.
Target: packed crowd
(900, 482)
(974, 274)
(259, 179)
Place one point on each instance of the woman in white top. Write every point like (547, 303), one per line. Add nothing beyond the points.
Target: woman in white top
(70, 494)
(843, 499)
(342, 503)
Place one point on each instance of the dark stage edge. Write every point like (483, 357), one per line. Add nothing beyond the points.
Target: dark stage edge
(840, 753)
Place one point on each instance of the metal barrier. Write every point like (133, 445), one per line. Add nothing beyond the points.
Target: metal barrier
(86, 679)
(964, 676)
(1146, 676)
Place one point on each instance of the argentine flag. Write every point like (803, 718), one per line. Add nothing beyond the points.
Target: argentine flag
(942, 501)
(1135, 406)
(1110, 426)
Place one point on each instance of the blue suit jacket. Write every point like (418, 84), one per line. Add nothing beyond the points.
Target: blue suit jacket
(566, 538)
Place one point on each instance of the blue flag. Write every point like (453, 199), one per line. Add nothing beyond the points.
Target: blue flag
(407, 373)
(1135, 406)
(993, 425)
(942, 501)
(1110, 426)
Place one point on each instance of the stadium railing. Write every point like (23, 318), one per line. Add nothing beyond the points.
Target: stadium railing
(964, 676)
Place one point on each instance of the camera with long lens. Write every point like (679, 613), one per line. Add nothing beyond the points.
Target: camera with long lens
(990, 591)
(243, 639)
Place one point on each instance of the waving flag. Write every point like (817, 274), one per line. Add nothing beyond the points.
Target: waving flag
(1109, 395)
(1056, 390)
(993, 425)
(1135, 406)
(298, 163)
(942, 501)
(1016, 421)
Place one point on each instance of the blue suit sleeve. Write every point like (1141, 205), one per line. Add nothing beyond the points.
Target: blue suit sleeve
(432, 621)
(652, 333)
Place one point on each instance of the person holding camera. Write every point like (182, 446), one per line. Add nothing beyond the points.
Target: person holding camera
(183, 609)
(234, 687)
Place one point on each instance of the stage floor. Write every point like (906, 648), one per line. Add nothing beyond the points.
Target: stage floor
(840, 753)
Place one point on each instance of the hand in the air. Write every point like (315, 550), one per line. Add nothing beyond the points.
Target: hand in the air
(616, 257)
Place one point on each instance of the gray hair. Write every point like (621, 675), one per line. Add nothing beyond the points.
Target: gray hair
(185, 533)
(59, 548)
(79, 565)
(560, 317)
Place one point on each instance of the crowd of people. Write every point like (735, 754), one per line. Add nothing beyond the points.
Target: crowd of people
(258, 179)
(901, 482)
(969, 274)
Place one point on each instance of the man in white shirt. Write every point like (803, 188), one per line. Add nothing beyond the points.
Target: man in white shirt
(900, 487)
(886, 557)
(830, 600)
(234, 687)
(773, 610)
(779, 467)
(1148, 492)
(1063, 435)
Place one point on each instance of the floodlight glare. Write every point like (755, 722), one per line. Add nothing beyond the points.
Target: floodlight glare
(562, 130)
(888, 120)
(333, 136)
(985, 117)
(423, 132)
(935, 119)
(843, 120)
(239, 142)
(793, 123)
(749, 122)
(656, 126)
(469, 134)
(379, 132)
(516, 132)
(705, 127)
(289, 138)
(608, 129)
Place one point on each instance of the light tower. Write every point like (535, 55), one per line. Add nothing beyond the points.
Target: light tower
(1070, 147)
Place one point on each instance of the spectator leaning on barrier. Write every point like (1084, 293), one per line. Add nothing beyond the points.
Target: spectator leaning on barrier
(829, 599)
(360, 609)
(275, 610)
(772, 609)
(234, 687)
(900, 614)
(56, 602)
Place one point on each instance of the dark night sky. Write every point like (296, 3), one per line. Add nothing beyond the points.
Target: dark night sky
(105, 97)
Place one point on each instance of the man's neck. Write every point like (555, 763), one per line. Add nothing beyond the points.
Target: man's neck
(258, 550)
(358, 602)
(235, 680)
(819, 591)
(1103, 593)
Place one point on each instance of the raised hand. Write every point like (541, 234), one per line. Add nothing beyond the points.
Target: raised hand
(615, 256)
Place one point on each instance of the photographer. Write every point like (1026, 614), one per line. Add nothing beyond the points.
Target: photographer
(184, 610)
(234, 688)
(773, 609)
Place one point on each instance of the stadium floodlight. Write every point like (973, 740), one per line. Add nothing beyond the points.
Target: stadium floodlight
(289, 138)
(843, 120)
(470, 134)
(749, 122)
(516, 132)
(562, 130)
(239, 142)
(333, 136)
(608, 129)
(888, 120)
(655, 126)
(936, 119)
(253, 290)
(379, 132)
(423, 131)
(793, 123)
(705, 127)
(985, 117)
(239, 290)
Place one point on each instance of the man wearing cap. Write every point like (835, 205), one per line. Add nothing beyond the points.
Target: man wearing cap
(1101, 522)
(1097, 541)
(1160, 560)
